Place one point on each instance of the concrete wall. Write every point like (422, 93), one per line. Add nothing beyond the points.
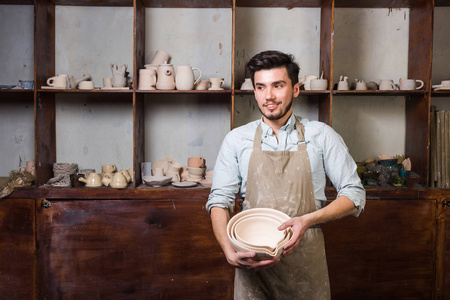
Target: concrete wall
(370, 44)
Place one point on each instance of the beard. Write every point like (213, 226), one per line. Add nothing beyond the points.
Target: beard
(280, 115)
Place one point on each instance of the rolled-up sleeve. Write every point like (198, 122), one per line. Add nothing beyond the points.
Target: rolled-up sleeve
(226, 177)
(341, 169)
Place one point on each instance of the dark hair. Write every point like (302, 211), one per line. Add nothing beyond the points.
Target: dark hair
(271, 59)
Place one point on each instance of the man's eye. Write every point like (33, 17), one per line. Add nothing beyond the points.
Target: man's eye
(278, 86)
(259, 88)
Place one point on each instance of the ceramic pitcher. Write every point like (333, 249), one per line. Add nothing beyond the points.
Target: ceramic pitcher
(185, 79)
(166, 79)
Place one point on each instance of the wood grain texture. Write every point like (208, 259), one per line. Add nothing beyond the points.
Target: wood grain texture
(446, 265)
(132, 250)
(385, 253)
(17, 249)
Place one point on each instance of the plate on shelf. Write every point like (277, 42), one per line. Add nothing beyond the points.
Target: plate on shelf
(184, 184)
(45, 87)
(442, 89)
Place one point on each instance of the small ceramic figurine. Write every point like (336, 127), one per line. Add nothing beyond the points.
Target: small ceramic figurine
(119, 78)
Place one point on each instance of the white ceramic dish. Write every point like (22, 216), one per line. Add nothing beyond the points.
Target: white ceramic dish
(184, 184)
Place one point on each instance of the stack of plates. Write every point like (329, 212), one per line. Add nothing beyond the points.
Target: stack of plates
(256, 230)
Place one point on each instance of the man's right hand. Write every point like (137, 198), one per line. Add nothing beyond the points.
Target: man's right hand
(246, 261)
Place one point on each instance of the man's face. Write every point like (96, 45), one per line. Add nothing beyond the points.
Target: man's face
(274, 93)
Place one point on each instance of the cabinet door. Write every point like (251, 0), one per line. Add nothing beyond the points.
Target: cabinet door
(17, 249)
(447, 254)
(387, 252)
(131, 249)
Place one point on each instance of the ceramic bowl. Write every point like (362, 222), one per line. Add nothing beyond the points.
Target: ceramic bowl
(260, 231)
(262, 252)
(157, 181)
(196, 172)
(318, 84)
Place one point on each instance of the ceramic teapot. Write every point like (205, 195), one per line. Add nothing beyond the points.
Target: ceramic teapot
(166, 78)
(74, 82)
(185, 79)
(306, 81)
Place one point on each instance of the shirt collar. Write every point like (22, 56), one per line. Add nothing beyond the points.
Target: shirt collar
(289, 126)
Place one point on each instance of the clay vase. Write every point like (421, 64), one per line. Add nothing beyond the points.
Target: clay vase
(166, 78)
(185, 79)
(119, 75)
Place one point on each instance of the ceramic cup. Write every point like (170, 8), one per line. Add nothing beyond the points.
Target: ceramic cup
(147, 79)
(126, 174)
(196, 173)
(247, 85)
(30, 166)
(146, 169)
(410, 84)
(196, 162)
(173, 167)
(131, 172)
(175, 176)
(86, 85)
(318, 84)
(387, 85)
(107, 82)
(57, 82)
(106, 178)
(160, 58)
(158, 172)
(202, 85)
(216, 83)
(109, 168)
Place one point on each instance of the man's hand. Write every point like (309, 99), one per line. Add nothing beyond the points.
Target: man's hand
(299, 226)
(246, 261)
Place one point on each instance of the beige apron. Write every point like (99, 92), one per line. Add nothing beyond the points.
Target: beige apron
(282, 180)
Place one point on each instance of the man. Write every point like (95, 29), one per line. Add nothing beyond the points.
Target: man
(281, 162)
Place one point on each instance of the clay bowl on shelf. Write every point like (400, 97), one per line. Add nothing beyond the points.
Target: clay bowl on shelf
(157, 181)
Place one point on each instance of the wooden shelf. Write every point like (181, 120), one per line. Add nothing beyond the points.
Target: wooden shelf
(379, 93)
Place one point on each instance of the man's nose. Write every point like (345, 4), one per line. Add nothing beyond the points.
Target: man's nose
(269, 93)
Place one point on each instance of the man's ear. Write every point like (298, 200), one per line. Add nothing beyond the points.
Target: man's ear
(296, 90)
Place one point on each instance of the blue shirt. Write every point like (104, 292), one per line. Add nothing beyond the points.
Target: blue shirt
(328, 155)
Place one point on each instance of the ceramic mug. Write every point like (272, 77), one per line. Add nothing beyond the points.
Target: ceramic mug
(173, 167)
(387, 85)
(160, 58)
(196, 162)
(147, 79)
(107, 82)
(126, 174)
(106, 179)
(30, 166)
(57, 82)
(146, 169)
(410, 84)
(158, 172)
(185, 79)
(109, 168)
(306, 81)
(86, 85)
(202, 85)
(216, 83)
(175, 176)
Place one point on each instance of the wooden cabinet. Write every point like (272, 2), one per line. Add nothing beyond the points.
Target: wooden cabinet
(17, 249)
(130, 249)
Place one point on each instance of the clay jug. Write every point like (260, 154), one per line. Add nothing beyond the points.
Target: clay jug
(166, 79)
(185, 79)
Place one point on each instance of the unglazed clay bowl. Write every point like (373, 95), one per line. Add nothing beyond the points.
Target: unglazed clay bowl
(259, 231)
(263, 252)
(157, 181)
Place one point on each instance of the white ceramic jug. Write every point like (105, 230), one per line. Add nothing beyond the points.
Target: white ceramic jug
(166, 79)
(185, 79)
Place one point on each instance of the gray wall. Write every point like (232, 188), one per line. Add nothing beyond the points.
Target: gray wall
(370, 44)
